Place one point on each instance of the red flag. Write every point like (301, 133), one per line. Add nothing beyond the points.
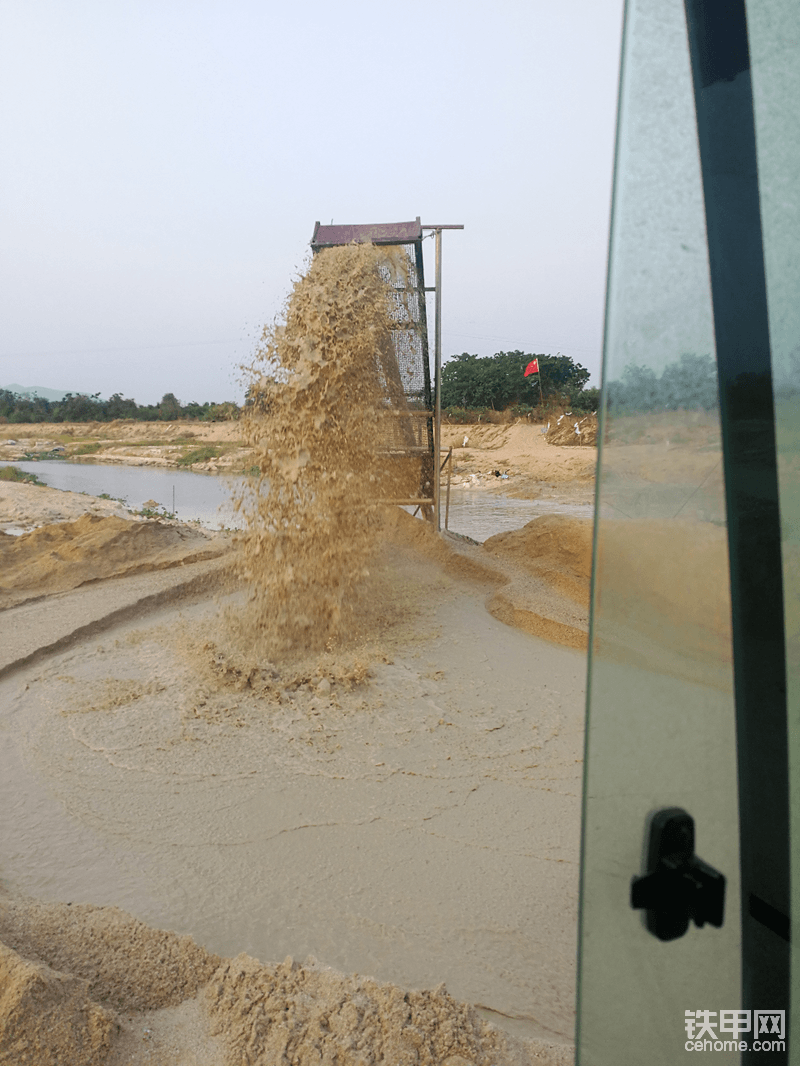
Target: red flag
(532, 368)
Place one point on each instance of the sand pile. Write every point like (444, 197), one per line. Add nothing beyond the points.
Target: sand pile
(320, 386)
(306, 1015)
(75, 980)
(547, 565)
(23, 507)
(126, 964)
(570, 430)
(47, 1018)
(537, 577)
(67, 972)
(523, 452)
(556, 548)
(55, 558)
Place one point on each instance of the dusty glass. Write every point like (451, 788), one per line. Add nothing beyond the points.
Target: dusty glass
(661, 722)
(774, 34)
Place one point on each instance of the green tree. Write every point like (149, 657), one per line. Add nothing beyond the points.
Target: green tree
(170, 408)
(27, 408)
(7, 404)
(585, 402)
(79, 407)
(195, 409)
(222, 412)
(499, 380)
(119, 407)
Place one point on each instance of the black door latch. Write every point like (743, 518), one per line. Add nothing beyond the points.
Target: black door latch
(677, 886)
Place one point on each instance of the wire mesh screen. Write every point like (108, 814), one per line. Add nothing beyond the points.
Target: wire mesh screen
(406, 442)
(405, 436)
(403, 271)
(404, 274)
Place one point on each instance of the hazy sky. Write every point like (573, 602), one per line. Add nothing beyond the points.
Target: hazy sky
(164, 162)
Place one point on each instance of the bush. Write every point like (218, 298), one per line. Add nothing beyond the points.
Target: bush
(199, 455)
(221, 412)
(585, 402)
(79, 407)
(13, 473)
(460, 415)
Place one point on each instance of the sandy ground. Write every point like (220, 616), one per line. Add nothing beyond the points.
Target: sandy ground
(405, 808)
(24, 507)
(534, 468)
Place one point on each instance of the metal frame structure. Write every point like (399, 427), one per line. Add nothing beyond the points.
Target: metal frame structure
(410, 234)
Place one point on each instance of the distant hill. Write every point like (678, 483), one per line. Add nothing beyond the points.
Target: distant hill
(35, 390)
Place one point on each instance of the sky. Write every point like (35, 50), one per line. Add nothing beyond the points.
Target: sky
(164, 163)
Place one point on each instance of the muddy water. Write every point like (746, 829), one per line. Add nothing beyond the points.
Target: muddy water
(423, 829)
(207, 499)
(480, 514)
(192, 497)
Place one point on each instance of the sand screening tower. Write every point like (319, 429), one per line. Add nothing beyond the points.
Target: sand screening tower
(412, 434)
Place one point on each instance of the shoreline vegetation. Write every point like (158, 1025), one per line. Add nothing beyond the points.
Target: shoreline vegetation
(13, 473)
(24, 409)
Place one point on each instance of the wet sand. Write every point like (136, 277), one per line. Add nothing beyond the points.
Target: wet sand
(407, 809)
(421, 827)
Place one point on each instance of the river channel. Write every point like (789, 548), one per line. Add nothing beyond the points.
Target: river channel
(207, 499)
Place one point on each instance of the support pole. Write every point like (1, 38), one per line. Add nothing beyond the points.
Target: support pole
(437, 414)
(437, 424)
(449, 461)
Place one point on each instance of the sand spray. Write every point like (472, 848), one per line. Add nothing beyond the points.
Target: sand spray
(322, 387)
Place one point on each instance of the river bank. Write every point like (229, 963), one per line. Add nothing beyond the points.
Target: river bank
(482, 453)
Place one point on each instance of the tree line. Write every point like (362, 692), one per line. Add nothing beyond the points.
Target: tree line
(469, 382)
(79, 407)
(498, 382)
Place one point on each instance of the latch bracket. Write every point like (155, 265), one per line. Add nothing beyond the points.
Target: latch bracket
(677, 886)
